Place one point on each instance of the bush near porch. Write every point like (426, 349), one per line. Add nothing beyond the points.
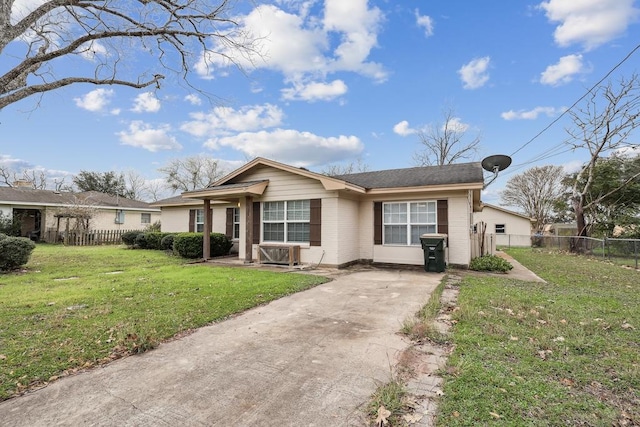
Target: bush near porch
(76, 307)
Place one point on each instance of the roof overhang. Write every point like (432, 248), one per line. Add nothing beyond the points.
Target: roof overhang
(230, 192)
(427, 189)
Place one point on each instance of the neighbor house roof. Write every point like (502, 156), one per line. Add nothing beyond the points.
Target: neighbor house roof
(501, 209)
(34, 197)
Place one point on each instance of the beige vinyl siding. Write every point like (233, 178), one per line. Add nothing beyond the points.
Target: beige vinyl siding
(285, 186)
(103, 219)
(517, 227)
(348, 232)
(175, 219)
(365, 226)
(459, 239)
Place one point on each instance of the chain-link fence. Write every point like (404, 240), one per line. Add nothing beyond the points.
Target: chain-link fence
(620, 251)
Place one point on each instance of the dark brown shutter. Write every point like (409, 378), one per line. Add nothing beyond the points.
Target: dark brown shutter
(443, 217)
(256, 223)
(315, 222)
(192, 220)
(377, 223)
(229, 224)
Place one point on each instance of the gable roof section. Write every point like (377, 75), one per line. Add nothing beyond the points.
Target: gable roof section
(30, 196)
(507, 211)
(461, 173)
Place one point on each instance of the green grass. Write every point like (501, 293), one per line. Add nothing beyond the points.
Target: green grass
(76, 307)
(562, 353)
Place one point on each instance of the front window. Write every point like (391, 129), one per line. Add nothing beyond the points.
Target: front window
(199, 220)
(236, 223)
(145, 218)
(286, 221)
(119, 217)
(405, 222)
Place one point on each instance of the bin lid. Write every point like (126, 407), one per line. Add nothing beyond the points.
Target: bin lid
(433, 236)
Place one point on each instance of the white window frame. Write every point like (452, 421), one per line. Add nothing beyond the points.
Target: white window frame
(404, 219)
(198, 222)
(287, 218)
(143, 216)
(119, 217)
(236, 224)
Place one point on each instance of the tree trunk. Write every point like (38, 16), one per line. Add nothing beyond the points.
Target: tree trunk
(578, 245)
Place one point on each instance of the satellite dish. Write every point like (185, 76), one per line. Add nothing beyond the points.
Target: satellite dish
(495, 164)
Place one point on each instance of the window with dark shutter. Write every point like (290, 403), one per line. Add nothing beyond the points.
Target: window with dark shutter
(315, 222)
(229, 223)
(192, 220)
(377, 223)
(443, 217)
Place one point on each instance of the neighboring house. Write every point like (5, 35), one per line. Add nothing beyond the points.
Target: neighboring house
(42, 213)
(509, 228)
(335, 221)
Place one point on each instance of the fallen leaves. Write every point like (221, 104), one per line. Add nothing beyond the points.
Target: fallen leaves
(383, 415)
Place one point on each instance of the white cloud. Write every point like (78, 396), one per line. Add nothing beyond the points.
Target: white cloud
(455, 125)
(531, 114)
(474, 74)
(224, 120)
(425, 22)
(143, 135)
(563, 71)
(572, 166)
(304, 48)
(589, 23)
(93, 49)
(12, 163)
(628, 151)
(146, 102)
(402, 128)
(291, 146)
(96, 100)
(315, 91)
(193, 99)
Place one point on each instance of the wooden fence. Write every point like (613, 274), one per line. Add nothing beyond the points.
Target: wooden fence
(85, 238)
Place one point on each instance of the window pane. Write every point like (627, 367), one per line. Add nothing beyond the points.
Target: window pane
(273, 211)
(298, 210)
(395, 234)
(395, 213)
(273, 232)
(236, 215)
(199, 228)
(145, 218)
(236, 231)
(298, 232)
(418, 230)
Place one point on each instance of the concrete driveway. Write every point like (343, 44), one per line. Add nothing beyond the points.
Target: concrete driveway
(309, 359)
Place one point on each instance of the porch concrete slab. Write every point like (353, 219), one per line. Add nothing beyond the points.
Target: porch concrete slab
(308, 359)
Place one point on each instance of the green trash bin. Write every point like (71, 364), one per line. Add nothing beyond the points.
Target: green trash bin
(433, 246)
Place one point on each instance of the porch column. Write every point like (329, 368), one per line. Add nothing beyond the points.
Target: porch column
(248, 229)
(206, 246)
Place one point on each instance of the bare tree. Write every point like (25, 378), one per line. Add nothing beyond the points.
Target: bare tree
(136, 185)
(344, 169)
(114, 36)
(36, 178)
(446, 143)
(191, 173)
(536, 192)
(602, 126)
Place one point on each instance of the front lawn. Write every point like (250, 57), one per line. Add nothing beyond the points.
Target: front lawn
(562, 353)
(76, 307)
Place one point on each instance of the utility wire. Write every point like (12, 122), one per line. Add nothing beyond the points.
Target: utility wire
(579, 99)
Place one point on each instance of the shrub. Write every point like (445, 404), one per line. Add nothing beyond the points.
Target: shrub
(129, 237)
(490, 263)
(9, 226)
(166, 242)
(149, 240)
(153, 227)
(15, 252)
(3, 236)
(189, 245)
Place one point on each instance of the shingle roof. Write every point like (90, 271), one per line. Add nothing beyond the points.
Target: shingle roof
(48, 197)
(460, 173)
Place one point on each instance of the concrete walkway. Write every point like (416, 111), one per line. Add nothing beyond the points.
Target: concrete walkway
(309, 359)
(519, 271)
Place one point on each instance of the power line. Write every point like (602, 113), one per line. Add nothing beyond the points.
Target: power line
(579, 99)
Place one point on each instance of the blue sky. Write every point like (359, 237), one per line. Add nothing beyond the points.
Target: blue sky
(345, 80)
